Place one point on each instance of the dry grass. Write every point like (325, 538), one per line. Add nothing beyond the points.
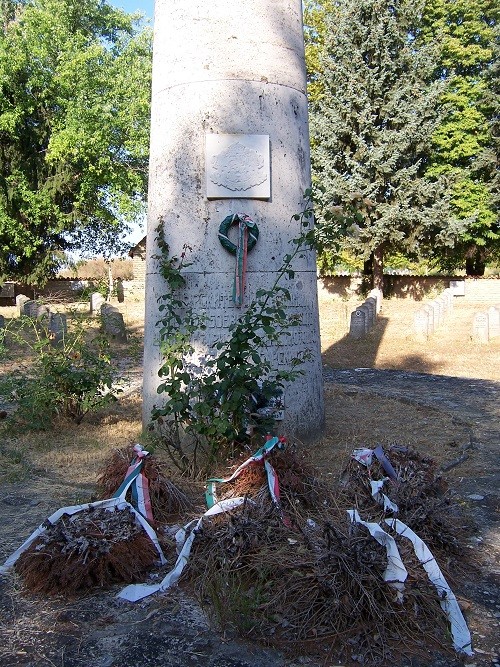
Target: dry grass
(321, 583)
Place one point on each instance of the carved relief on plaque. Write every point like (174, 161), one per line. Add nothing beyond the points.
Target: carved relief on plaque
(237, 166)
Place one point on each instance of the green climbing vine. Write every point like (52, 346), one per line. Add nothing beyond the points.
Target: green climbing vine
(211, 405)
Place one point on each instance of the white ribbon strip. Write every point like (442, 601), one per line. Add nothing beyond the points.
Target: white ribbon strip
(459, 630)
(110, 504)
(395, 574)
(380, 497)
(136, 592)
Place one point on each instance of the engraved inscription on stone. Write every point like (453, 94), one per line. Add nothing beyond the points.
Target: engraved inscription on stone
(237, 166)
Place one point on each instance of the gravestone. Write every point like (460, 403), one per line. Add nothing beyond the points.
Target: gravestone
(376, 294)
(42, 314)
(438, 313)
(493, 322)
(480, 328)
(358, 326)
(448, 294)
(371, 304)
(30, 308)
(2, 322)
(96, 302)
(58, 328)
(21, 299)
(229, 135)
(421, 324)
(113, 323)
(120, 290)
(457, 287)
(446, 304)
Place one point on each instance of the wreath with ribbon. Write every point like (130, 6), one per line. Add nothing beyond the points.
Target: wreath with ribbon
(237, 219)
(248, 234)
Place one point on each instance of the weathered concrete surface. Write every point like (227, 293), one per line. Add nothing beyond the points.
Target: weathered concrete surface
(222, 67)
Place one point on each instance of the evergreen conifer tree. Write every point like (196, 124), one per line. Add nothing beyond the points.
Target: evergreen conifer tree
(371, 123)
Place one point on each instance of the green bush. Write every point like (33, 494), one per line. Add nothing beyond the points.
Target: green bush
(69, 379)
(209, 409)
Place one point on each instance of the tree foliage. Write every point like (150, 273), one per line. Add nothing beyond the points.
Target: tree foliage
(466, 34)
(374, 108)
(74, 130)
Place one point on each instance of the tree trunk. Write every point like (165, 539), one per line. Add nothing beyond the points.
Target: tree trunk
(378, 269)
(475, 263)
(110, 282)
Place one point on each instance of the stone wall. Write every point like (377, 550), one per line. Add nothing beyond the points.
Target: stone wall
(418, 288)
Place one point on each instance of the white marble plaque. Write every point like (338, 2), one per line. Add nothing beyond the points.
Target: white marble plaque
(237, 166)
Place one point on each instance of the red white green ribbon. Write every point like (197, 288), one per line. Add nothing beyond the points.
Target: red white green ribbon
(184, 538)
(272, 478)
(110, 504)
(244, 225)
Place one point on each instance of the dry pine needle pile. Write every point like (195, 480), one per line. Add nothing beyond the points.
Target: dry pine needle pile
(320, 584)
(314, 580)
(169, 500)
(95, 547)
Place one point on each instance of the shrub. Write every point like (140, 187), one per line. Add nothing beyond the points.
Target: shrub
(70, 379)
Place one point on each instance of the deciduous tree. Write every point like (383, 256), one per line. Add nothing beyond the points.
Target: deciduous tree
(74, 128)
(466, 35)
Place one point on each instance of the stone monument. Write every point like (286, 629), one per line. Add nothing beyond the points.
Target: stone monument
(229, 135)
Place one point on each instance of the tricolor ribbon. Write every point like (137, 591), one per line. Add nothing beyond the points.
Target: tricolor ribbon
(462, 641)
(184, 538)
(395, 574)
(116, 502)
(245, 227)
(365, 457)
(272, 478)
(136, 479)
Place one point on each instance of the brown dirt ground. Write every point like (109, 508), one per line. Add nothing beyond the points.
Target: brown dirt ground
(60, 469)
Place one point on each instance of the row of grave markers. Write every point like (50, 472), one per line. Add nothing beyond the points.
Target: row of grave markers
(364, 317)
(56, 323)
(486, 325)
(432, 315)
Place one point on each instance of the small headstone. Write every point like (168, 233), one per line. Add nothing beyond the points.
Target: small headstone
(358, 323)
(421, 324)
(378, 296)
(2, 322)
(120, 291)
(480, 328)
(493, 322)
(371, 304)
(457, 287)
(58, 328)
(96, 302)
(448, 294)
(43, 315)
(21, 299)
(436, 312)
(30, 308)
(113, 323)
